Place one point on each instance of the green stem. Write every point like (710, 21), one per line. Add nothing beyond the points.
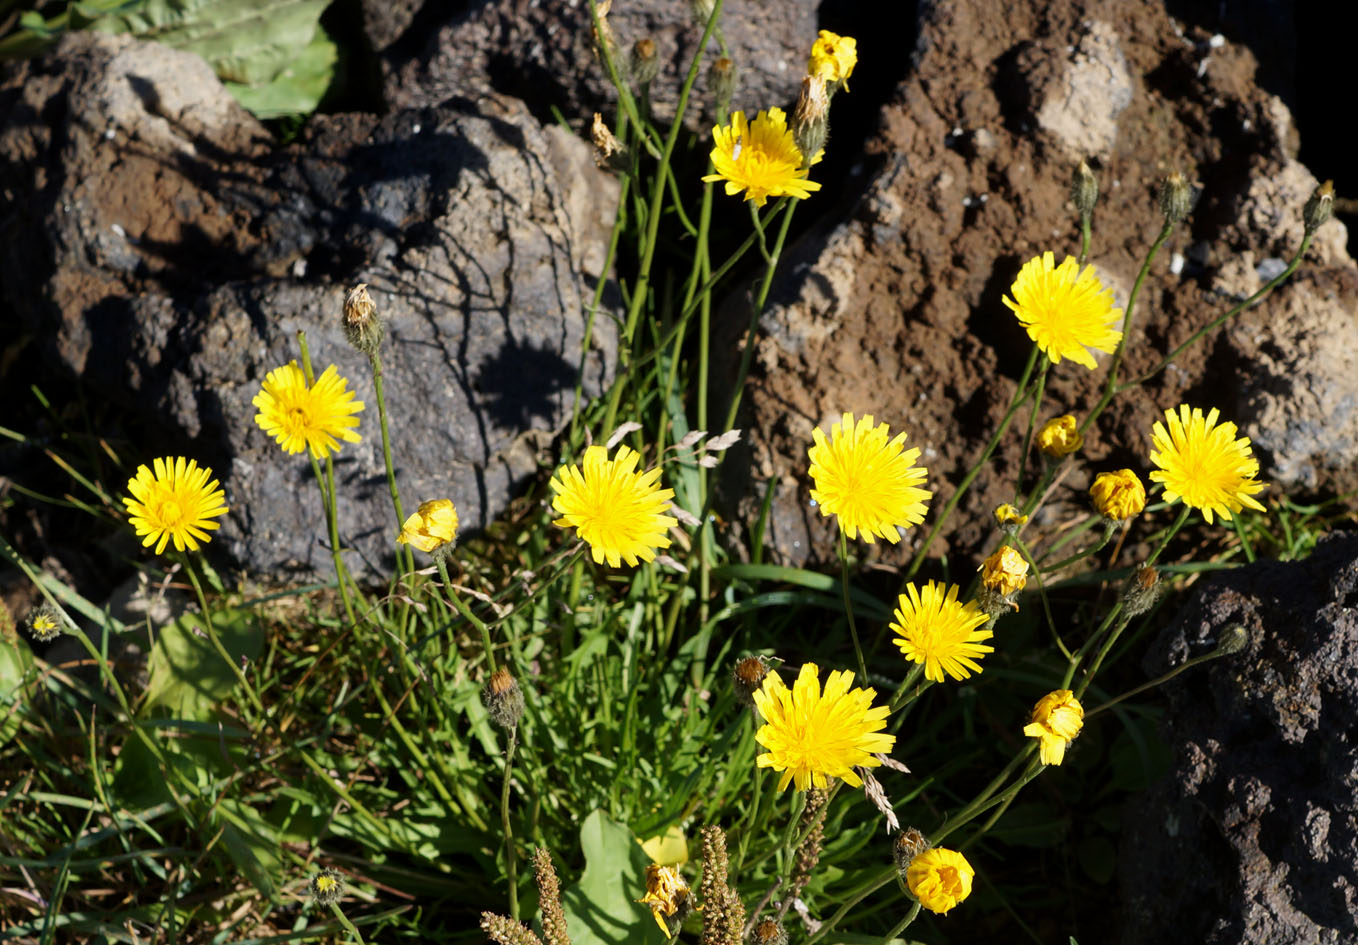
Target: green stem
(344, 921)
(1032, 419)
(466, 611)
(328, 497)
(848, 605)
(1084, 238)
(902, 925)
(403, 552)
(511, 858)
(211, 630)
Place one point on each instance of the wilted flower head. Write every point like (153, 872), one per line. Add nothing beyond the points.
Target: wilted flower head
(1119, 495)
(760, 158)
(44, 624)
(833, 58)
(870, 482)
(618, 511)
(503, 699)
(1007, 515)
(433, 526)
(1059, 436)
(748, 677)
(362, 325)
(1065, 309)
(175, 500)
(668, 895)
(1057, 719)
(1204, 464)
(327, 887)
(1006, 571)
(939, 878)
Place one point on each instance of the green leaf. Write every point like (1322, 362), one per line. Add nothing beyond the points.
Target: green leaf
(188, 675)
(602, 909)
(247, 838)
(16, 659)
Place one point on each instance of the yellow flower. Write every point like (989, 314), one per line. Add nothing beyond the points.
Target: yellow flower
(1118, 495)
(175, 503)
(1059, 437)
(833, 58)
(327, 887)
(433, 525)
(667, 893)
(1057, 719)
(939, 879)
(1204, 464)
(869, 483)
(301, 417)
(45, 624)
(760, 158)
(934, 629)
(812, 736)
(1005, 571)
(1009, 515)
(619, 512)
(1065, 310)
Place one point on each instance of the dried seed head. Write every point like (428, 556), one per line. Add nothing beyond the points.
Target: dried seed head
(721, 82)
(503, 699)
(909, 844)
(1176, 198)
(506, 931)
(362, 325)
(1319, 207)
(1142, 591)
(1084, 189)
(645, 63)
(768, 932)
(748, 677)
(811, 118)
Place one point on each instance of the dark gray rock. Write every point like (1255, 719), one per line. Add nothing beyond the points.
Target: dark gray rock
(171, 255)
(1253, 835)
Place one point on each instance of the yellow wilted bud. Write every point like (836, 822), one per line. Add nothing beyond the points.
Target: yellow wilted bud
(433, 526)
(1057, 719)
(1005, 571)
(1059, 437)
(1118, 495)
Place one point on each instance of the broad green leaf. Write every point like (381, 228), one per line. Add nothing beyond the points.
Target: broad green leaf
(296, 90)
(602, 909)
(188, 675)
(16, 659)
(247, 838)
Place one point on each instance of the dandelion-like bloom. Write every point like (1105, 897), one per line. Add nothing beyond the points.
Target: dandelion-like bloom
(1059, 436)
(175, 502)
(327, 887)
(1057, 719)
(301, 417)
(619, 512)
(939, 878)
(45, 624)
(1118, 495)
(1065, 309)
(871, 484)
(1007, 514)
(668, 894)
(935, 629)
(1005, 571)
(433, 525)
(833, 58)
(812, 736)
(760, 158)
(1204, 464)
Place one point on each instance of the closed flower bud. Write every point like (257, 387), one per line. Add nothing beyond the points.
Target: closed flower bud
(768, 932)
(1056, 720)
(1176, 198)
(503, 699)
(940, 879)
(833, 58)
(1084, 189)
(702, 11)
(1059, 437)
(362, 325)
(721, 82)
(1009, 517)
(645, 64)
(909, 843)
(748, 677)
(1119, 495)
(605, 42)
(1319, 207)
(45, 624)
(327, 887)
(1005, 571)
(1233, 640)
(609, 152)
(1143, 590)
(433, 527)
(811, 118)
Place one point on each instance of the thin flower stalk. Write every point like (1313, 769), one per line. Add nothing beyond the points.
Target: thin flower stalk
(456, 600)
(1040, 388)
(511, 856)
(403, 554)
(848, 603)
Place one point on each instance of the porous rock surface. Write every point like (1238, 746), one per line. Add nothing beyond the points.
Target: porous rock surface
(1252, 836)
(171, 254)
(895, 310)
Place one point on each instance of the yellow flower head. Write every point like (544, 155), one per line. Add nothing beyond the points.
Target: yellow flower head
(327, 887)
(760, 158)
(1007, 514)
(1005, 571)
(939, 879)
(301, 417)
(933, 628)
(1059, 436)
(1118, 495)
(833, 58)
(667, 893)
(45, 624)
(433, 525)
(871, 484)
(619, 512)
(176, 502)
(1204, 464)
(812, 736)
(1065, 310)
(1057, 719)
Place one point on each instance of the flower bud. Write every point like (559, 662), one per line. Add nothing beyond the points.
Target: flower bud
(833, 58)
(1319, 207)
(748, 677)
(645, 64)
(909, 843)
(768, 932)
(702, 11)
(503, 699)
(721, 82)
(1084, 190)
(1009, 517)
(1056, 721)
(1176, 198)
(1143, 590)
(811, 118)
(1059, 437)
(1233, 640)
(1119, 495)
(433, 526)
(362, 325)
